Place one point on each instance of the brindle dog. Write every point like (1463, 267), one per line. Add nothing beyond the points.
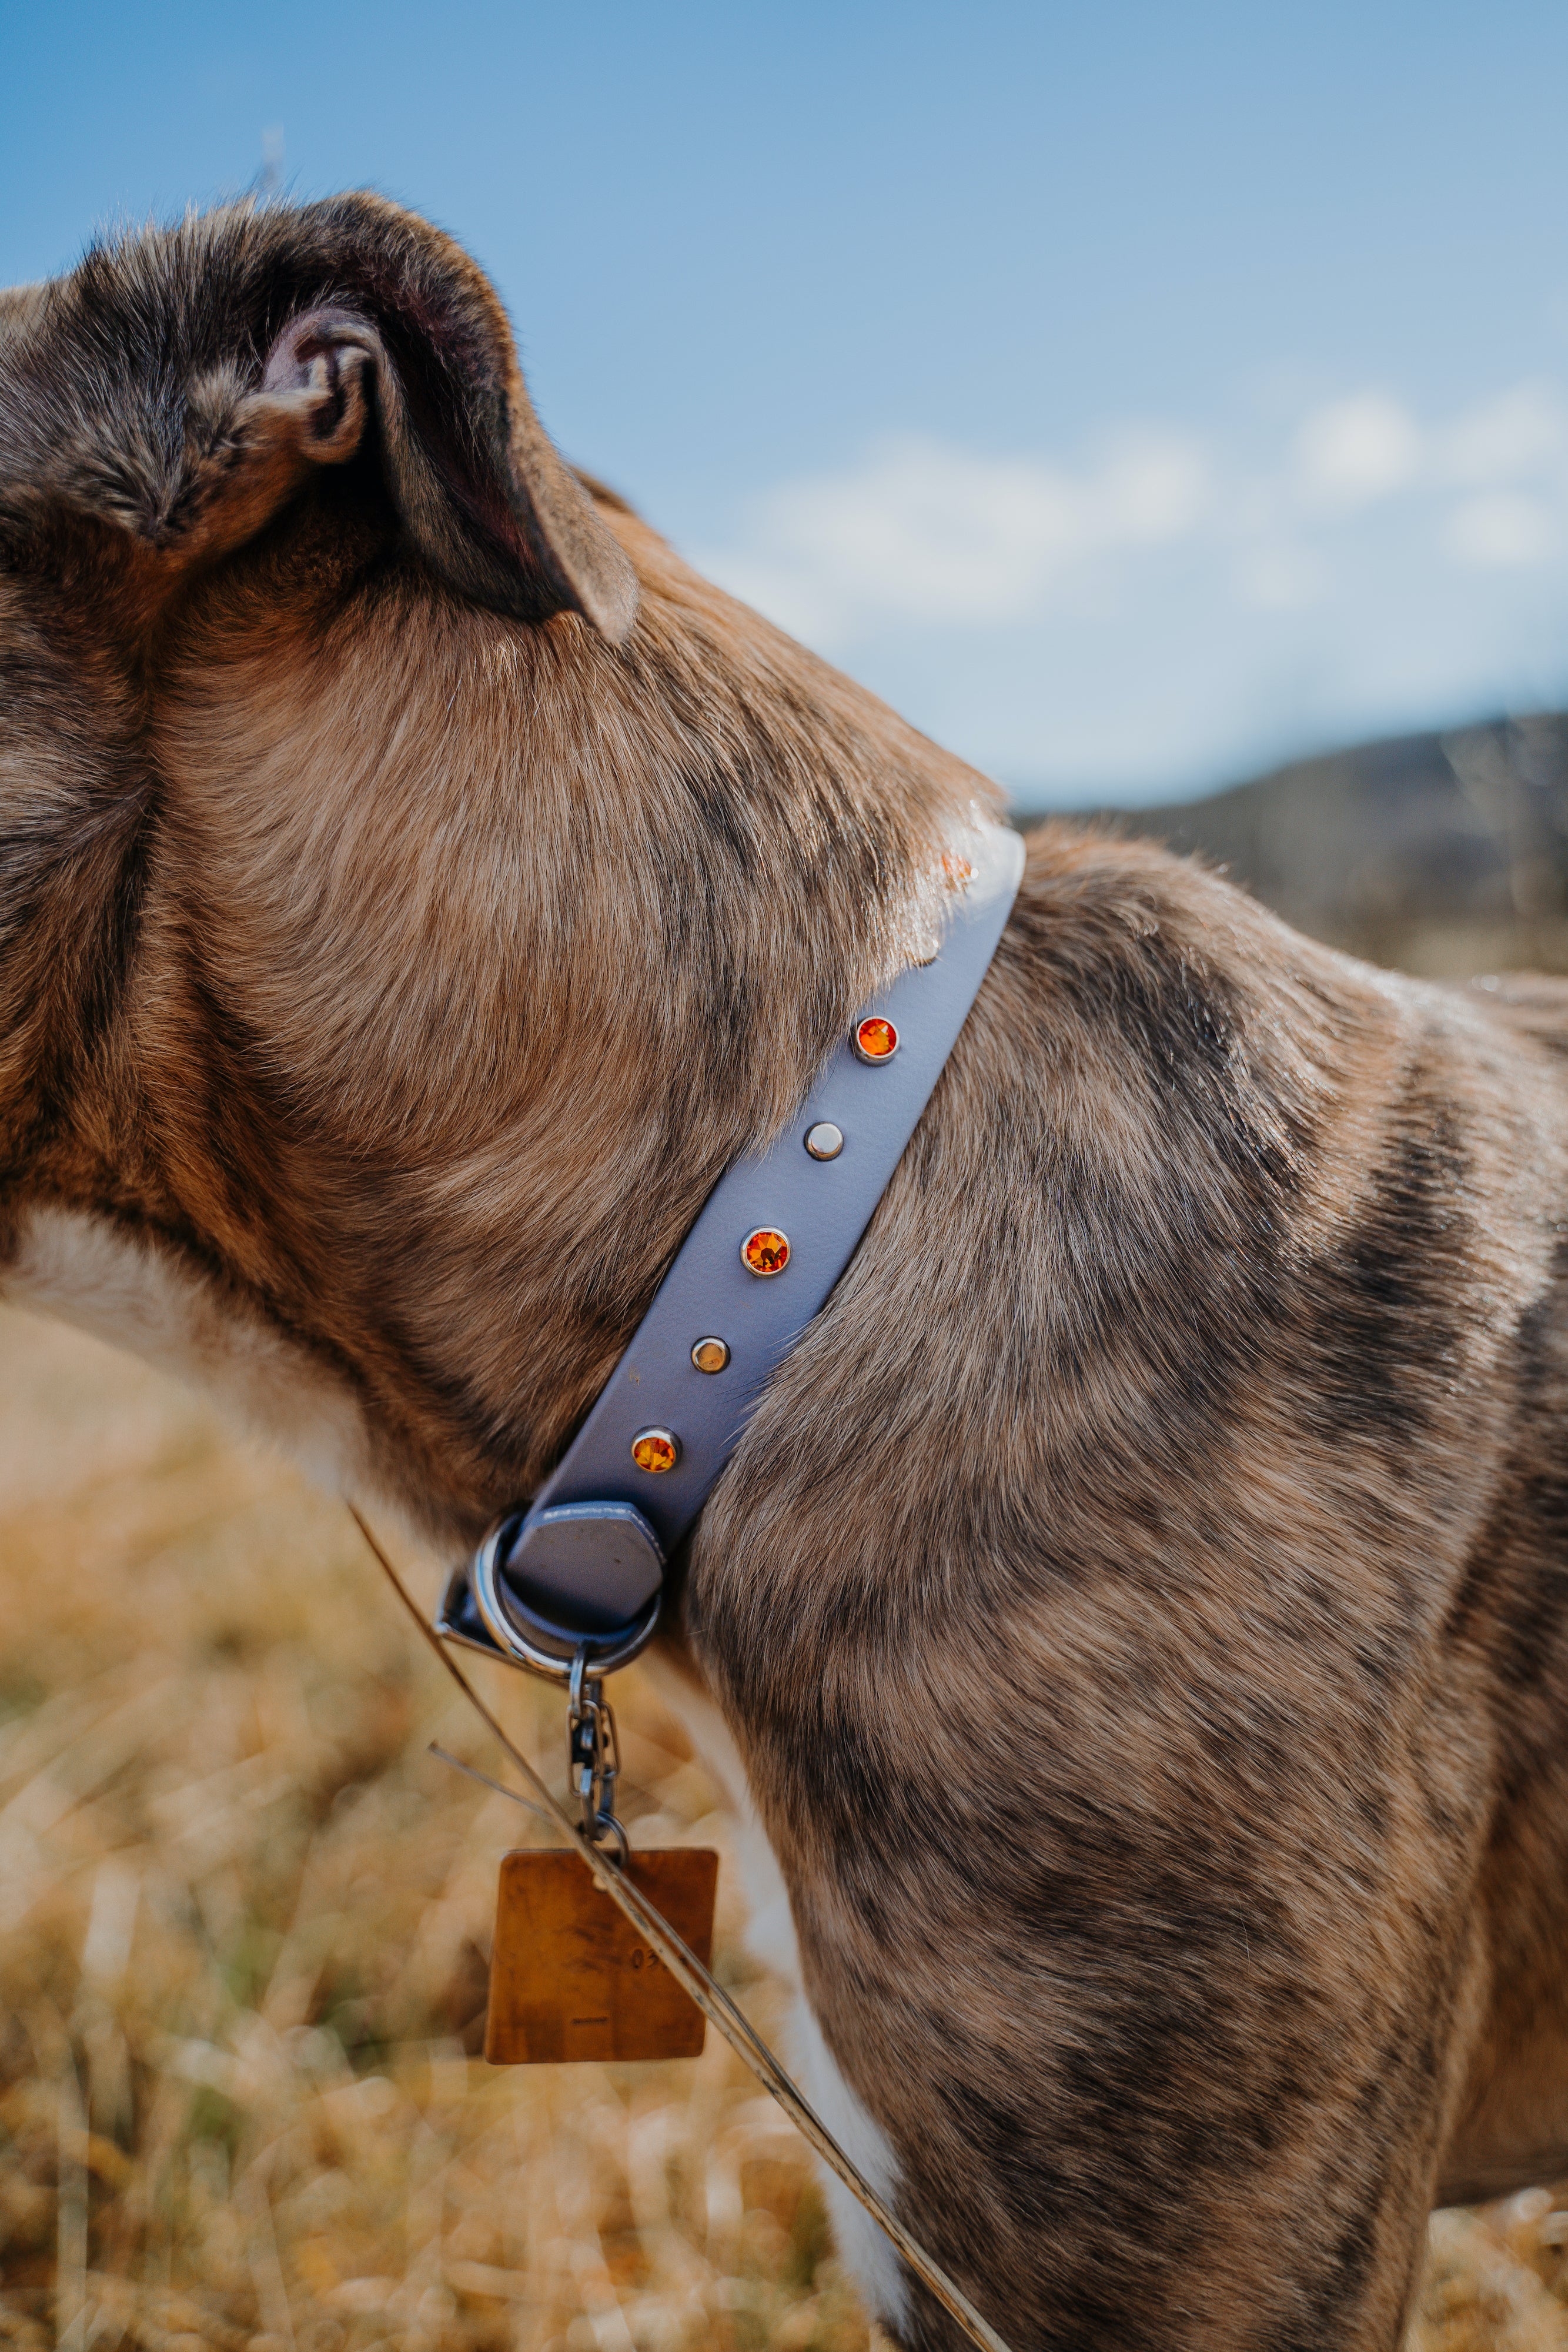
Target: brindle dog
(1138, 1609)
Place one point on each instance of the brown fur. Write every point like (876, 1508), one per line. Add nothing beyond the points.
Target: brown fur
(1140, 1601)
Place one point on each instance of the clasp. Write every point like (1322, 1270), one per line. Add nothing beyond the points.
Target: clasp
(593, 1756)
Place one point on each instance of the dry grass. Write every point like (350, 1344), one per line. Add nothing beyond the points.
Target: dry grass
(242, 1924)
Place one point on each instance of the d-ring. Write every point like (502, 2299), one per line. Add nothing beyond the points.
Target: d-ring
(535, 1641)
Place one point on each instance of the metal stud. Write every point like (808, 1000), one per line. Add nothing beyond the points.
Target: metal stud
(875, 1038)
(710, 1355)
(765, 1250)
(824, 1142)
(655, 1451)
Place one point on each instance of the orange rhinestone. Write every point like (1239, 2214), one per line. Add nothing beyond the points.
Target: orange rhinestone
(876, 1039)
(766, 1251)
(656, 1450)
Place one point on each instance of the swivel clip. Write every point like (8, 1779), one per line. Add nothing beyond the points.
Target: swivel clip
(593, 1758)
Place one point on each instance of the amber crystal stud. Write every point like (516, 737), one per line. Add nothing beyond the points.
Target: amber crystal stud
(766, 1251)
(656, 1450)
(824, 1142)
(876, 1039)
(710, 1355)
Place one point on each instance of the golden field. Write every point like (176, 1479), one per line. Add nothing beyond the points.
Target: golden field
(243, 1918)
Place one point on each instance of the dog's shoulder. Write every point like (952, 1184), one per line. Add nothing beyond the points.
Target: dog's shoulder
(1139, 963)
(1094, 886)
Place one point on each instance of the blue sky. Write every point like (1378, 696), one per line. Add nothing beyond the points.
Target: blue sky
(1133, 394)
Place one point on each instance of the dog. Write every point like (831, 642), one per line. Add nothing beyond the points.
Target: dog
(1134, 1625)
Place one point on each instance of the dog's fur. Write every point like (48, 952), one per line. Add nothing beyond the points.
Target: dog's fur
(1137, 1610)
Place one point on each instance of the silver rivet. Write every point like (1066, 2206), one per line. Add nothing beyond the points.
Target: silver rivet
(825, 1141)
(710, 1355)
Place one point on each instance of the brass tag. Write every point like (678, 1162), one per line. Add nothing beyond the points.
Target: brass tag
(571, 1978)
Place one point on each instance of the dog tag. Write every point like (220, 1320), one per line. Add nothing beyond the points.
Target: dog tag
(571, 1978)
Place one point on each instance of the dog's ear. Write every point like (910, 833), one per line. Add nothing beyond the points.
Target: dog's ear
(475, 481)
(184, 384)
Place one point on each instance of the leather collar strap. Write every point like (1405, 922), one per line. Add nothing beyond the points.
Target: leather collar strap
(587, 1560)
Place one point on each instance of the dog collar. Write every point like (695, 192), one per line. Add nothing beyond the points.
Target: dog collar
(584, 1566)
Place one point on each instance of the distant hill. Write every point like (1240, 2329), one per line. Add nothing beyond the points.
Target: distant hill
(1444, 853)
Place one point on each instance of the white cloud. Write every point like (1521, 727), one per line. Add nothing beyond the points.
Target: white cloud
(1281, 577)
(1159, 606)
(1520, 432)
(933, 533)
(921, 534)
(1153, 486)
(1501, 532)
(923, 531)
(1357, 450)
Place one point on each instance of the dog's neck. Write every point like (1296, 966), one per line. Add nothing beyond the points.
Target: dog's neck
(466, 957)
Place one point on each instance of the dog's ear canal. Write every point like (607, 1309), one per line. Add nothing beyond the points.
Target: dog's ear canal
(477, 486)
(421, 372)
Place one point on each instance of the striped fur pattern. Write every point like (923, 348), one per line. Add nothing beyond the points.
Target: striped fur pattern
(1138, 1610)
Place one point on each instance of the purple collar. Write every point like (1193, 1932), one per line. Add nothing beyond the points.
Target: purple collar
(584, 1564)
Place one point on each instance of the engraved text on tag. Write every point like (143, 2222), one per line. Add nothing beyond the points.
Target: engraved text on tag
(571, 1977)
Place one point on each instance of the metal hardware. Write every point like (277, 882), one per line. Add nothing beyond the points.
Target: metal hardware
(710, 1355)
(765, 1252)
(875, 1040)
(593, 1758)
(552, 1544)
(824, 1142)
(655, 1451)
(523, 1636)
